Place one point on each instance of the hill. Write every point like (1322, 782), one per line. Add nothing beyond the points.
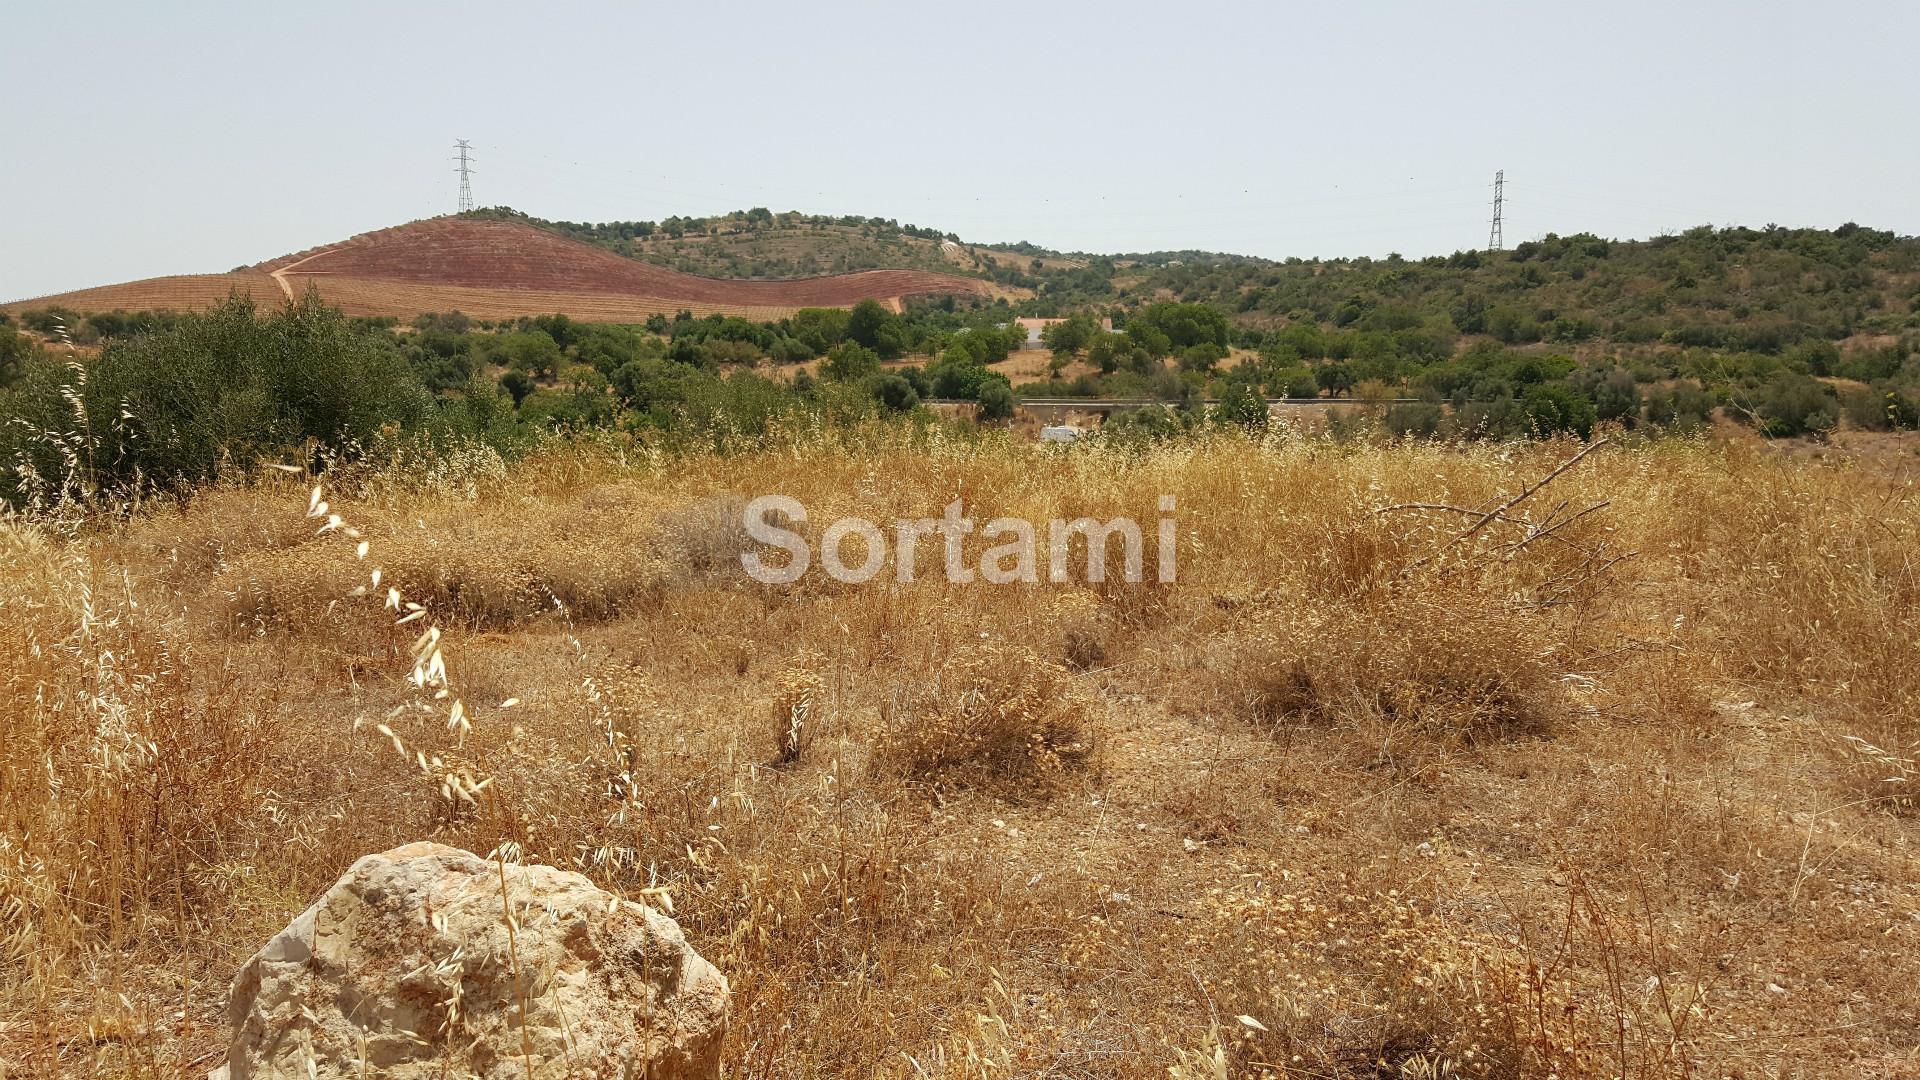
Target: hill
(496, 268)
(1731, 287)
(1793, 330)
(1726, 288)
(758, 245)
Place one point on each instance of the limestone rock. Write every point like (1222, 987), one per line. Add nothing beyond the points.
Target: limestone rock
(406, 968)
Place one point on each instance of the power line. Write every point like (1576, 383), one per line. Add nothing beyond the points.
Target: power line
(1495, 241)
(466, 172)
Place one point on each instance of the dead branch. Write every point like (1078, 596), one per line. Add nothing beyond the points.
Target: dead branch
(1500, 512)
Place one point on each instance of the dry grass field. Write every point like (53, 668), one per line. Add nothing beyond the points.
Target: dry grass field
(183, 292)
(1615, 781)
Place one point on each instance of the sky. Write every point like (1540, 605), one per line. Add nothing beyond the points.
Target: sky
(142, 139)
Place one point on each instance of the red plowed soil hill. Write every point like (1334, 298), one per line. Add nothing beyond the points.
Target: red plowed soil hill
(478, 253)
(501, 269)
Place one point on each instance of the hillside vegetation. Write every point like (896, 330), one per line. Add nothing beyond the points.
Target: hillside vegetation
(1737, 288)
(759, 244)
(1792, 332)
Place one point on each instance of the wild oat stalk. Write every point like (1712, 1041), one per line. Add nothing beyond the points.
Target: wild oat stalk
(429, 676)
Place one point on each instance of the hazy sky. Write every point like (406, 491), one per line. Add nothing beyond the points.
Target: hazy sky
(152, 138)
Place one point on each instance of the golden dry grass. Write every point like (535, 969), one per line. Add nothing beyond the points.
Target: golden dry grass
(181, 292)
(1353, 798)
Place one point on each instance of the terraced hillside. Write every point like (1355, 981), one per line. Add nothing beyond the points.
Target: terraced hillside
(493, 268)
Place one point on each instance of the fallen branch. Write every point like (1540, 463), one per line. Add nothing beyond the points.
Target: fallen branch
(1500, 512)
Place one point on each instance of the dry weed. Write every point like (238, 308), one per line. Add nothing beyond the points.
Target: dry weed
(991, 714)
(1696, 875)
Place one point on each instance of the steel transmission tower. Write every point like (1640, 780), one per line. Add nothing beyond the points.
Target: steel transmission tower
(466, 172)
(1495, 241)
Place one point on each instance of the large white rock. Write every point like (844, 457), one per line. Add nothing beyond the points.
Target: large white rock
(407, 968)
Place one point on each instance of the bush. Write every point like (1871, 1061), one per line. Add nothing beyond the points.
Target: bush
(1512, 327)
(998, 715)
(1421, 419)
(895, 393)
(870, 324)
(483, 412)
(820, 329)
(650, 385)
(567, 410)
(518, 384)
(1241, 406)
(1294, 382)
(1442, 668)
(1182, 325)
(1201, 357)
(1335, 379)
(15, 348)
(1791, 404)
(1683, 407)
(441, 360)
(996, 400)
(1067, 337)
(226, 387)
(850, 362)
(530, 351)
(1556, 407)
(789, 350)
(1147, 424)
(51, 321)
(1616, 396)
(963, 379)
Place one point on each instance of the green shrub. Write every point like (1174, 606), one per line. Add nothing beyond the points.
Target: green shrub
(1556, 407)
(226, 387)
(1181, 326)
(996, 400)
(850, 362)
(1241, 406)
(894, 392)
(1792, 404)
(15, 349)
(1681, 408)
(871, 325)
(1149, 423)
(1419, 419)
(1294, 382)
(1201, 357)
(518, 384)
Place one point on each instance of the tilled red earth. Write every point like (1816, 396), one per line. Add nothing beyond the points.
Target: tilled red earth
(495, 270)
(509, 255)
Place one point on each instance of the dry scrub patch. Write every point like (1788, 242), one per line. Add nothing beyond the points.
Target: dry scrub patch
(989, 715)
(1357, 796)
